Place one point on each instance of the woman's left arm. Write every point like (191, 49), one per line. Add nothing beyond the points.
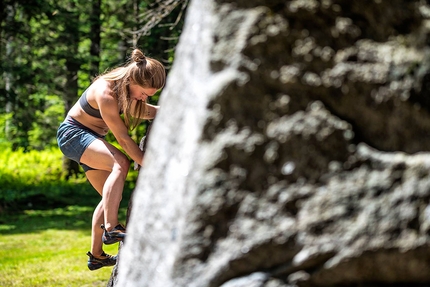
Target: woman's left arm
(151, 111)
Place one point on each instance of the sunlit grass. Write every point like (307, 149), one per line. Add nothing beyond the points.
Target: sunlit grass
(48, 248)
(45, 222)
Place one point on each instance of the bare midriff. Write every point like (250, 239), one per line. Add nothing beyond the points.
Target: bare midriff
(93, 123)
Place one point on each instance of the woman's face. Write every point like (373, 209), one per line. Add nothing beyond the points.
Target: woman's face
(138, 93)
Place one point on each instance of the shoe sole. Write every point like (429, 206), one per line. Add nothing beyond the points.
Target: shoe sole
(111, 238)
(93, 266)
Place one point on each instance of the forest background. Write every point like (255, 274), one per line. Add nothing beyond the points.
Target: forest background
(50, 52)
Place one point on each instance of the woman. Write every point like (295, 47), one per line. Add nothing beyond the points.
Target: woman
(122, 91)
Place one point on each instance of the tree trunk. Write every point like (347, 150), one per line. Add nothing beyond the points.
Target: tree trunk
(72, 66)
(136, 12)
(95, 38)
(9, 14)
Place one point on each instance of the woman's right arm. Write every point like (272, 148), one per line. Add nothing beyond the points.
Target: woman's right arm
(108, 106)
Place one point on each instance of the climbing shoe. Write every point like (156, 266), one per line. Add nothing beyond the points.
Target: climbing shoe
(115, 235)
(95, 263)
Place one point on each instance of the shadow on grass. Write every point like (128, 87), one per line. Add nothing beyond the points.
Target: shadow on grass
(71, 217)
(51, 194)
(29, 221)
(66, 211)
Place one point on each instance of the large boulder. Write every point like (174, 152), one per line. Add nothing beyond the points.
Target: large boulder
(290, 149)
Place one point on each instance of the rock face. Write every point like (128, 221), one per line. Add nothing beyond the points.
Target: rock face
(291, 149)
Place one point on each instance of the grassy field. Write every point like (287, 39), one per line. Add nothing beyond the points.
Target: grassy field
(48, 248)
(45, 222)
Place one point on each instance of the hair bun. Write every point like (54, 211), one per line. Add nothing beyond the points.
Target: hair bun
(138, 56)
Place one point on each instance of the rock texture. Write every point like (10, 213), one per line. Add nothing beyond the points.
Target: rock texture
(291, 149)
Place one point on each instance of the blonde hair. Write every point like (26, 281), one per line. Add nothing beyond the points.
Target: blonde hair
(140, 70)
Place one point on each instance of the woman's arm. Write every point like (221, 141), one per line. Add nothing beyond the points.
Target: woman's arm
(109, 110)
(151, 111)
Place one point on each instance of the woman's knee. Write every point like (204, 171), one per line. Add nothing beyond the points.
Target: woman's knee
(122, 163)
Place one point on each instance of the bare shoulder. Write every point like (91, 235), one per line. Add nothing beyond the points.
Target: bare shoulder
(101, 87)
(101, 93)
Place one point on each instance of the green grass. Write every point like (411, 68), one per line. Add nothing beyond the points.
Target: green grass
(45, 221)
(48, 248)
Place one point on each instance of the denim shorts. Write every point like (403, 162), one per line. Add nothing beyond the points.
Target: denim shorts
(73, 138)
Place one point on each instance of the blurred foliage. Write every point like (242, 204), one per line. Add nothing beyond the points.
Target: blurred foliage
(42, 134)
(38, 58)
(48, 52)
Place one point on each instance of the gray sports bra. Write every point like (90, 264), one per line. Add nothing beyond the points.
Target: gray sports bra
(87, 107)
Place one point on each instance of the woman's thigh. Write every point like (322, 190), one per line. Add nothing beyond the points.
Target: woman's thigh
(101, 155)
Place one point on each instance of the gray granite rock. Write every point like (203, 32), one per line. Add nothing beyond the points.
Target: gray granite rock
(290, 149)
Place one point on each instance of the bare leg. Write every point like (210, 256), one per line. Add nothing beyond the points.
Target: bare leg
(112, 195)
(97, 232)
(95, 177)
(108, 178)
